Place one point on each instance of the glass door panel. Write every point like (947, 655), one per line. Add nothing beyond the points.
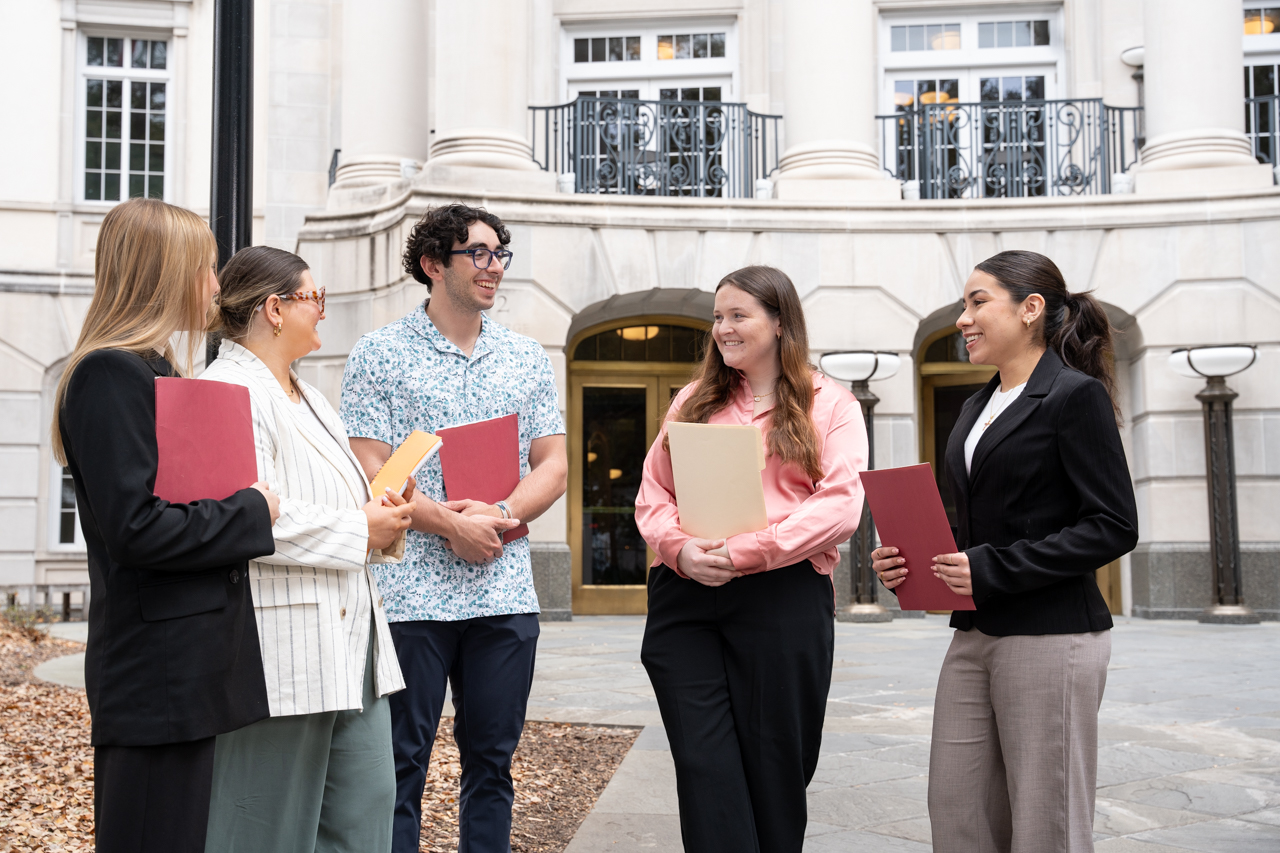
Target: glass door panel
(614, 440)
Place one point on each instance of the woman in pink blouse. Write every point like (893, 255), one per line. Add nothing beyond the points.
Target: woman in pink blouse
(739, 648)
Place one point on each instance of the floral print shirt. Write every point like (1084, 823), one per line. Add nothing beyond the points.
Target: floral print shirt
(407, 376)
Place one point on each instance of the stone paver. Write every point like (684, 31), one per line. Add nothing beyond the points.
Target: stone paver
(1189, 757)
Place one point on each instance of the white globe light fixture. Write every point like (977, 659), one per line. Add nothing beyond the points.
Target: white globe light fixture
(1214, 364)
(1205, 362)
(860, 367)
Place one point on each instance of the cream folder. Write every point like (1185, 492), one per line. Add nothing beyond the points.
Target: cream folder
(717, 468)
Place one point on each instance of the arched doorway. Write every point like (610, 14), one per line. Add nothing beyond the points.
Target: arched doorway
(622, 376)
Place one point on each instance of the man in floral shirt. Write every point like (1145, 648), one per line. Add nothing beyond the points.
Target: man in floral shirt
(461, 604)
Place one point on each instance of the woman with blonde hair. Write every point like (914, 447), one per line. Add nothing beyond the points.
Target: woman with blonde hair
(172, 658)
(739, 647)
(319, 773)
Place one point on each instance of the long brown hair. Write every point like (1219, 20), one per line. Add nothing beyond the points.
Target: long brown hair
(252, 276)
(1075, 326)
(792, 436)
(148, 286)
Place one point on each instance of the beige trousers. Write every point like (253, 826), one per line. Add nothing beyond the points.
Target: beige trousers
(1014, 760)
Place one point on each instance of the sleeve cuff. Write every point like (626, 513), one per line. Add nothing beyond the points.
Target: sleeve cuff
(745, 552)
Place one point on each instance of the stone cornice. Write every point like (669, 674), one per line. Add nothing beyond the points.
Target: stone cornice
(964, 215)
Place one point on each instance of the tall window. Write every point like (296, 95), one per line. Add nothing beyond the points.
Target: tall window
(125, 84)
(66, 522)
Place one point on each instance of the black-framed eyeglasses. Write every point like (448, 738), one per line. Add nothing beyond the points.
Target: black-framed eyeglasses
(483, 257)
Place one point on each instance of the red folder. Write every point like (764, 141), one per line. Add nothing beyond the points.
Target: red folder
(481, 462)
(204, 431)
(909, 516)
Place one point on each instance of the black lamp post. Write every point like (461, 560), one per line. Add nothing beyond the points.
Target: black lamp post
(231, 192)
(859, 369)
(1215, 364)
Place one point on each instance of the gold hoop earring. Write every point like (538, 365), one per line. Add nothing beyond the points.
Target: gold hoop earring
(1026, 320)
(278, 329)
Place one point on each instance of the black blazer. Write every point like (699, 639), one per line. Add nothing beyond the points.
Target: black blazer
(173, 650)
(1048, 501)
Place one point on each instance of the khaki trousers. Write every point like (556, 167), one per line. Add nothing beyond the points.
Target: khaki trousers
(1014, 761)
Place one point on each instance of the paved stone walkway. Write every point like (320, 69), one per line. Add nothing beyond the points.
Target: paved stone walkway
(1189, 757)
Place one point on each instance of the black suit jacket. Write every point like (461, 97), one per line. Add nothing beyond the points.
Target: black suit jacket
(173, 651)
(1048, 501)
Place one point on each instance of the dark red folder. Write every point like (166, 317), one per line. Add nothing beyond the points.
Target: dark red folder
(204, 431)
(909, 516)
(481, 462)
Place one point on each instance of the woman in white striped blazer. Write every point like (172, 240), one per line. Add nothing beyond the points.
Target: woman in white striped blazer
(319, 773)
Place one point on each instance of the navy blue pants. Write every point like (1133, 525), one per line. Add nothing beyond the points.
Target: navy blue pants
(489, 663)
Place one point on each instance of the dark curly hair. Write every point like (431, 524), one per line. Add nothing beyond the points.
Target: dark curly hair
(439, 229)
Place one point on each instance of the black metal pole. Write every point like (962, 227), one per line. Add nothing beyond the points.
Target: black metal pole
(863, 606)
(1227, 605)
(231, 191)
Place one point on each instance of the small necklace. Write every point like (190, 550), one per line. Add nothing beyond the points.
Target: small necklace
(759, 397)
(1008, 396)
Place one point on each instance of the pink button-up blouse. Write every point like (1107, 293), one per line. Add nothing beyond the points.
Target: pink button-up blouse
(807, 518)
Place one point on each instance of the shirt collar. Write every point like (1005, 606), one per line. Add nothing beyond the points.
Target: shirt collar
(421, 323)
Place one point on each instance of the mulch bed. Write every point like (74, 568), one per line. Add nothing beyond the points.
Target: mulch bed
(46, 766)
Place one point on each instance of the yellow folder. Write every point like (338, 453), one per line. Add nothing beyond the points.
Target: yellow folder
(405, 462)
(717, 468)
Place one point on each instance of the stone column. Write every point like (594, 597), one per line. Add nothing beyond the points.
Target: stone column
(384, 92)
(482, 108)
(829, 107)
(1195, 138)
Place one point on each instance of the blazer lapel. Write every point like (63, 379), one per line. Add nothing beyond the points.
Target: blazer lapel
(360, 487)
(1019, 410)
(954, 452)
(288, 410)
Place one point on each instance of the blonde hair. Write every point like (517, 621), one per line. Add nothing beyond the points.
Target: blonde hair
(148, 286)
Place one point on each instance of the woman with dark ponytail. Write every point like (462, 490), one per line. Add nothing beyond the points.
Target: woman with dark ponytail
(1043, 499)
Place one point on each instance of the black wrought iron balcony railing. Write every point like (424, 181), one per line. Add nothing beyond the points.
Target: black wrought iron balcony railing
(1011, 149)
(625, 146)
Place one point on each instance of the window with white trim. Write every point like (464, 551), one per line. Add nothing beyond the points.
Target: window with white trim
(924, 37)
(124, 86)
(1013, 34)
(64, 518)
(661, 60)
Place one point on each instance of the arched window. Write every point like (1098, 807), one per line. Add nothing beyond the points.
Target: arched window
(651, 342)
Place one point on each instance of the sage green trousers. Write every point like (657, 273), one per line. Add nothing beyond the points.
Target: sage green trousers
(312, 783)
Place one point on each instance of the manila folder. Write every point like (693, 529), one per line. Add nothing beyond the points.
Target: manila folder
(406, 462)
(717, 468)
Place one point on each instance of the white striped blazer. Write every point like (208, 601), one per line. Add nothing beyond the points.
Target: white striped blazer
(314, 598)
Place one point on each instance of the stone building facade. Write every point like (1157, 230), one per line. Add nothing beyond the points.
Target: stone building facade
(883, 148)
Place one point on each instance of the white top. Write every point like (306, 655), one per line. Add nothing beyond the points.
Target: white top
(1000, 400)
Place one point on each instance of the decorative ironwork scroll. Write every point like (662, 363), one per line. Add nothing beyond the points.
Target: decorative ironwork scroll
(624, 146)
(1010, 149)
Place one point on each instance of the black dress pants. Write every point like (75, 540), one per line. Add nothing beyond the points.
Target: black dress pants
(489, 662)
(741, 673)
(152, 799)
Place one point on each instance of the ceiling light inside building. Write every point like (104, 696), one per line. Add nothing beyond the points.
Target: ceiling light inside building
(638, 333)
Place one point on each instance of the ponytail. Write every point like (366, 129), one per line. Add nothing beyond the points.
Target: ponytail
(1075, 326)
